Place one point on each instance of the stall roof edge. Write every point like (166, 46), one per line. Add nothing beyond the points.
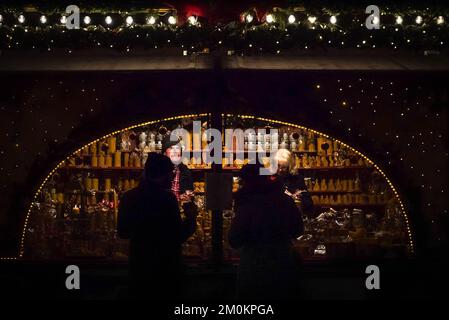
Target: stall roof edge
(14, 62)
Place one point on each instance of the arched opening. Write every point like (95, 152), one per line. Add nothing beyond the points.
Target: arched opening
(357, 209)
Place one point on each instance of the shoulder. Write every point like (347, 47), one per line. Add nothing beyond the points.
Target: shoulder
(130, 194)
(287, 201)
(183, 167)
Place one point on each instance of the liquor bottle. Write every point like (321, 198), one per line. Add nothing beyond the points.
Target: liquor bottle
(316, 187)
(88, 182)
(338, 186)
(350, 185)
(126, 163)
(323, 186)
(301, 143)
(357, 183)
(344, 185)
(117, 159)
(338, 201)
(305, 161)
(361, 163)
(93, 149)
(331, 186)
(108, 161)
(311, 143)
(318, 161)
(107, 185)
(112, 145)
(95, 183)
(324, 162)
(293, 146)
(101, 161)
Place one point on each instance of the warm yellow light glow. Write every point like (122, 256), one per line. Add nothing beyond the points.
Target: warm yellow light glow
(63, 163)
(291, 19)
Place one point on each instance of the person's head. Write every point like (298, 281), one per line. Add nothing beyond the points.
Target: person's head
(285, 162)
(158, 170)
(251, 177)
(171, 149)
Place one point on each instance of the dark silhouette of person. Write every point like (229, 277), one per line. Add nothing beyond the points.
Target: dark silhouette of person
(266, 220)
(149, 216)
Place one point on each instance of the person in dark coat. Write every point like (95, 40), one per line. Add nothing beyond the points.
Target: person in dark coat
(182, 184)
(293, 181)
(266, 220)
(149, 216)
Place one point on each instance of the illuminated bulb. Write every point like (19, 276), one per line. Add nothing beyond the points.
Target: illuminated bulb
(399, 20)
(440, 20)
(311, 19)
(192, 20)
(376, 20)
(63, 20)
(249, 18)
(418, 20)
(43, 19)
(87, 20)
(129, 20)
(172, 20)
(270, 18)
(21, 18)
(333, 19)
(151, 20)
(108, 20)
(1, 18)
(291, 19)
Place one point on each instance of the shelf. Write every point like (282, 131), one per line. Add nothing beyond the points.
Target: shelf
(334, 192)
(316, 168)
(230, 168)
(352, 205)
(101, 168)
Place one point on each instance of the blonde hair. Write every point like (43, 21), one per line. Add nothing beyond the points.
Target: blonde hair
(286, 156)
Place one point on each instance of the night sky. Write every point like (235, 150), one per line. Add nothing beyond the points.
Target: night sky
(399, 119)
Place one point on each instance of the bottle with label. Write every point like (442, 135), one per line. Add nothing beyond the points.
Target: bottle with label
(301, 143)
(316, 186)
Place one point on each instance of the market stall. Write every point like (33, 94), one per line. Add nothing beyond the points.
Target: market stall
(357, 210)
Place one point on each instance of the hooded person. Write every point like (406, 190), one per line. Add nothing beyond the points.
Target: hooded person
(149, 216)
(182, 184)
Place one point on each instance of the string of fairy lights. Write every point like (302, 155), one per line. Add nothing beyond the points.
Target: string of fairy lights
(275, 31)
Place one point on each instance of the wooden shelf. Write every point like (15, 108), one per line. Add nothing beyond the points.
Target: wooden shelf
(352, 205)
(334, 192)
(316, 168)
(101, 168)
(227, 168)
